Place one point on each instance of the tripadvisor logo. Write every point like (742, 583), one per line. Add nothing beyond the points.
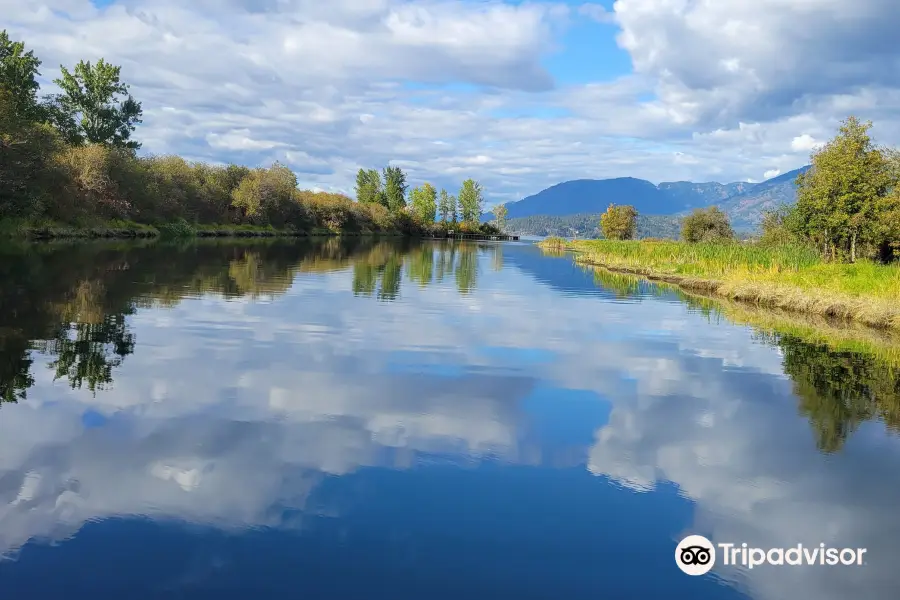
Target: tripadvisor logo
(696, 555)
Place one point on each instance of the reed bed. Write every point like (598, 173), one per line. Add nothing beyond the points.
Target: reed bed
(785, 277)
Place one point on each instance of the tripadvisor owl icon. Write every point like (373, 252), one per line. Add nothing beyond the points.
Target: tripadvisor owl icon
(695, 555)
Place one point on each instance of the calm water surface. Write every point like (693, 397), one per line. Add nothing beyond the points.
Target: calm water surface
(382, 420)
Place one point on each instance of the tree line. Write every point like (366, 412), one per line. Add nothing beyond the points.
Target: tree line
(388, 188)
(848, 204)
(71, 158)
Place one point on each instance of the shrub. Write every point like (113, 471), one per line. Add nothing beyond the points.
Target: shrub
(706, 225)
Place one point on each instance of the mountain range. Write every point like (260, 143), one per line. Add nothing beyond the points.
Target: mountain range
(745, 203)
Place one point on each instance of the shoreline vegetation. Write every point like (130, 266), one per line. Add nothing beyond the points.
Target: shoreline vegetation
(787, 278)
(834, 253)
(69, 168)
(835, 334)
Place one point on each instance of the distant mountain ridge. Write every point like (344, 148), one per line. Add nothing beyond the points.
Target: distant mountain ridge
(746, 209)
(744, 202)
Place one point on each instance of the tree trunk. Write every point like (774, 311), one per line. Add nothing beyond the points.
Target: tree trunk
(853, 247)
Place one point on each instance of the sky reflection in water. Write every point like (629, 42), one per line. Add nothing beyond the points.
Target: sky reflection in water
(437, 421)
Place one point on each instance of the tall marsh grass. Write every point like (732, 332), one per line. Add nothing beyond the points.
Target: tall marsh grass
(787, 277)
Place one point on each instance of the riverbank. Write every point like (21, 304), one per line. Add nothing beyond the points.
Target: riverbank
(49, 230)
(45, 231)
(837, 335)
(787, 278)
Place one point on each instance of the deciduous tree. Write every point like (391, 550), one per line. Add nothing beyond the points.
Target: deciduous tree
(18, 77)
(840, 200)
(619, 222)
(368, 186)
(95, 106)
(424, 203)
(446, 206)
(395, 188)
(471, 201)
(500, 212)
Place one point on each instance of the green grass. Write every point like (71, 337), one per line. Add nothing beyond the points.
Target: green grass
(787, 277)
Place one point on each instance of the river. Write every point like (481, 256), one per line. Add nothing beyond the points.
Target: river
(388, 419)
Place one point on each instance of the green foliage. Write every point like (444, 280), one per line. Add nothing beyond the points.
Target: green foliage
(619, 222)
(706, 225)
(177, 229)
(423, 201)
(18, 78)
(28, 171)
(368, 186)
(778, 227)
(500, 213)
(395, 188)
(267, 196)
(847, 199)
(68, 168)
(89, 109)
(489, 229)
(446, 207)
(471, 201)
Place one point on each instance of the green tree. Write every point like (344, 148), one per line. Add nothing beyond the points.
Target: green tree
(706, 225)
(423, 200)
(619, 222)
(18, 77)
(90, 109)
(839, 197)
(500, 212)
(395, 188)
(446, 206)
(368, 186)
(454, 209)
(471, 201)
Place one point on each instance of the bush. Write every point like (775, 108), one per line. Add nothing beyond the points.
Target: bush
(706, 225)
(177, 229)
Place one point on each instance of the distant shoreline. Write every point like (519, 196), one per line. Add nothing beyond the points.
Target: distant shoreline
(124, 231)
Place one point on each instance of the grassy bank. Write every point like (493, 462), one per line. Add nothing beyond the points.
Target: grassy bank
(836, 335)
(788, 278)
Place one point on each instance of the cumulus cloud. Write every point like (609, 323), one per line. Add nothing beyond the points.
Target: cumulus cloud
(804, 143)
(329, 87)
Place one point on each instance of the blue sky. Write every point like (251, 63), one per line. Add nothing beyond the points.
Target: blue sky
(519, 95)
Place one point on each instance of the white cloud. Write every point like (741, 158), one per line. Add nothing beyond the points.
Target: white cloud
(771, 173)
(329, 87)
(804, 143)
